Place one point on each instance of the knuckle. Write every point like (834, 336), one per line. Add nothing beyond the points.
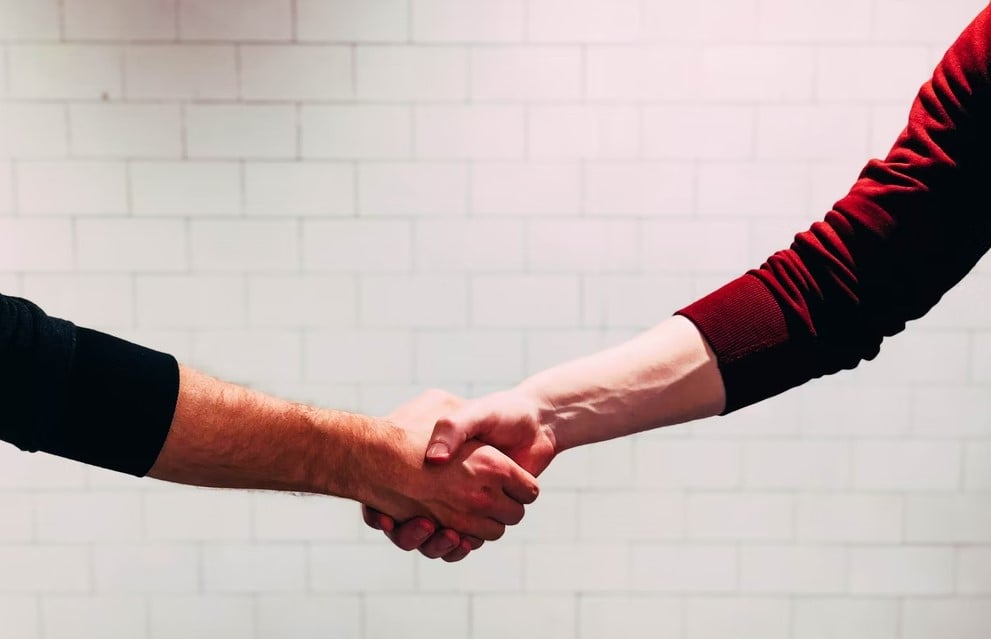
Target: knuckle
(481, 500)
(444, 398)
(516, 517)
(462, 522)
(435, 394)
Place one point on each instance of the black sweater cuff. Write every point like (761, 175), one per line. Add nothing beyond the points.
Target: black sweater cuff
(119, 402)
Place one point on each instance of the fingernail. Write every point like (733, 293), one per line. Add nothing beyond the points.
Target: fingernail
(438, 450)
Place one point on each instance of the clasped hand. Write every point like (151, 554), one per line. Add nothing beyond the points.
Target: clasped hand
(503, 428)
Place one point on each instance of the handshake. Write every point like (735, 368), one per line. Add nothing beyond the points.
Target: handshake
(441, 474)
(464, 470)
(477, 474)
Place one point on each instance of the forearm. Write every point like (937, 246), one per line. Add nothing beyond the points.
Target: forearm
(227, 436)
(667, 375)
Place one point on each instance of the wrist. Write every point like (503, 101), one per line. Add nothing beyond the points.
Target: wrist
(375, 465)
(343, 466)
(544, 411)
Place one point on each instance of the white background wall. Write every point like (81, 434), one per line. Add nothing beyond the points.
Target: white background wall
(346, 201)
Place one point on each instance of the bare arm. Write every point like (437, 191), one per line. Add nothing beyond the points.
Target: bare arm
(667, 375)
(228, 436)
(223, 435)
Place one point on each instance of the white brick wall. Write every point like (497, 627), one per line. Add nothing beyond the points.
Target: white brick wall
(353, 20)
(534, 616)
(725, 618)
(118, 617)
(30, 131)
(67, 72)
(185, 189)
(125, 130)
(94, 188)
(180, 72)
(347, 201)
(219, 131)
(629, 617)
(863, 618)
(120, 20)
(26, 20)
(295, 73)
(173, 617)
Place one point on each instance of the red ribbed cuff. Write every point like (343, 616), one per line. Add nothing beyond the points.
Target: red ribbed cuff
(756, 349)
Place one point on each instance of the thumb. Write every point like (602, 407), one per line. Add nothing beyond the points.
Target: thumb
(451, 432)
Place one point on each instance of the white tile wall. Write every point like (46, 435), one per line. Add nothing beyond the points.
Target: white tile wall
(534, 616)
(27, 20)
(22, 615)
(624, 617)
(378, 196)
(146, 567)
(84, 188)
(185, 189)
(29, 131)
(725, 618)
(117, 617)
(120, 20)
(168, 72)
(64, 72)
(861, 618)
(125, 130)
(295, 73)
(6, 187)
(176, 616)
(352, 20)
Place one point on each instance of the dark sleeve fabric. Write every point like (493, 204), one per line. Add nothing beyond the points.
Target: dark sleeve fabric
(910, 228)
(82, 394)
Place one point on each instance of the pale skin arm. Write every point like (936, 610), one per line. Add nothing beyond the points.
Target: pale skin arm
(667, 375)
(227, 436)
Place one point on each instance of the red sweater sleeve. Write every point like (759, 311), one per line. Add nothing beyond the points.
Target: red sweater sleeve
(910, 228)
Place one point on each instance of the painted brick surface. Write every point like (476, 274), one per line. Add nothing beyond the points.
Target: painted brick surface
(382, 196)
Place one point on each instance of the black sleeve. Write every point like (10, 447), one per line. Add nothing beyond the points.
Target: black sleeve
(81, 394)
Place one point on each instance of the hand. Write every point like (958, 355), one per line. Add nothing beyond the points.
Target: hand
(421, 532)
(509, 421)
(479, 492)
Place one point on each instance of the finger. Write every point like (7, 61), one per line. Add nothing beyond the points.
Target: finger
(440, 543)
(474, 543)
(484, 527)
(370, 517)
(459, 553)
(506, 510)
(454, 430)
(521, 485)
(377, 520)
(445, 440)
(410, 534)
